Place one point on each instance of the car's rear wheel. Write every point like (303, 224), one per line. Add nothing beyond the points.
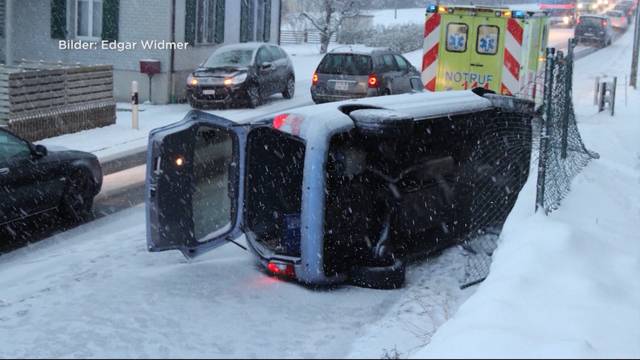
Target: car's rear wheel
(77, 200)
(253, 96)
(290, 88)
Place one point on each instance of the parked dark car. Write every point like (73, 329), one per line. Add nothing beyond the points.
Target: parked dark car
(34, 180)
(343, 191)
(619, 21)
(594, 29)
(241, 74)
(353, 74)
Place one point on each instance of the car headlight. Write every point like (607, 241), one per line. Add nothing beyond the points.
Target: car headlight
(594, 6)
(565, 20)
(192, 80)
(580, 6)
(238, 79)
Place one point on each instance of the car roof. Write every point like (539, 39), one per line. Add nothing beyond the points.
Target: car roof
(360, 50)
(244, 46)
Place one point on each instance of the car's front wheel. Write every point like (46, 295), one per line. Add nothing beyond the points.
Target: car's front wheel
(253, 96)
(289, 89)
(77, 200)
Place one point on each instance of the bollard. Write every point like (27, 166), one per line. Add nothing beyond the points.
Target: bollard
(612, 99)
(134, 105)
(597, 91)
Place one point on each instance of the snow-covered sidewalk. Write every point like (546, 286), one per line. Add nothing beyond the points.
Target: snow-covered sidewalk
(567, 285)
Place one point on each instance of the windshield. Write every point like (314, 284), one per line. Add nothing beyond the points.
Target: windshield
(591, 21)
(235, 57)
(345, 64)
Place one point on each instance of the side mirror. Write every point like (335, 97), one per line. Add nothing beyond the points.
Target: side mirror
(40, 151)
(266, 66)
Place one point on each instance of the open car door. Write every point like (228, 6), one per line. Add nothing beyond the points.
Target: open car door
(194, 186)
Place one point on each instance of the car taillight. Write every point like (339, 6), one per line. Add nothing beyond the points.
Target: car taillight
(373, 81)
(314, 80)
(281, 269)
(278, 121)
(604, 23)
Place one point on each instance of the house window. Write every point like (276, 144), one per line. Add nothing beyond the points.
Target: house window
(210, 21)
(264, 21)
(247, 20)
(89, 19)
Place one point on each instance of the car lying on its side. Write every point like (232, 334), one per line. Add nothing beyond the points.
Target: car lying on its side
(363, 73)
(341, 191)
(594, 29)
(241, 74)
(34, 180)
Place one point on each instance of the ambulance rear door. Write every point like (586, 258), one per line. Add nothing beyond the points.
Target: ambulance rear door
(487, 51)
(455, 52)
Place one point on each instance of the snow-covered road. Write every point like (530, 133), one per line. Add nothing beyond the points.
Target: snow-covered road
(95, 291)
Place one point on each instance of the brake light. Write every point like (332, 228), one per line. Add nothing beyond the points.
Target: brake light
(373, 81)
(281, 269)
(314, 80)
(278, 121)
(604, 22)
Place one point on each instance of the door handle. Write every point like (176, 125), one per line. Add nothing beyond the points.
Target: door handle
(5, 171)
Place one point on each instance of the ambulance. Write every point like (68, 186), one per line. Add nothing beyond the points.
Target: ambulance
(496, 48)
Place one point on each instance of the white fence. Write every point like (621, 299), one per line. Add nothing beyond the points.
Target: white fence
(301, 37)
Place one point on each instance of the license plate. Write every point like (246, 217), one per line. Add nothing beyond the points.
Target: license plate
(588, 34)
(342, 85)
(208, 92)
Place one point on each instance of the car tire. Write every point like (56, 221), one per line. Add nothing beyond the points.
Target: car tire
(195, 103)
(77, 200)
(253, 96)
(380, 277)
(290, 88)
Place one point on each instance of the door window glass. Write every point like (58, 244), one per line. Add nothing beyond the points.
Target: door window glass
(11, 147)
(487, 43)
(389, 64)
(402, 63)
(457, 35)
(275, 53)
(264, 56)
(212, 180)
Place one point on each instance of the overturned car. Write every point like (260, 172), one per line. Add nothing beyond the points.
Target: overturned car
(342, 191)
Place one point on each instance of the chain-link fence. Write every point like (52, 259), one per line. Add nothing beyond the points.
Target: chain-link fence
(562, 153)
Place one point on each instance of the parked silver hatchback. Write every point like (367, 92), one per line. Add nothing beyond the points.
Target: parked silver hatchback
(363, 73)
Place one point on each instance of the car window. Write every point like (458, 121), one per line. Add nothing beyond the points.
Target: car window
(457, 35)
(275, 53)
(487, 42)
(11, 147)
(263, 56)
(230, 57)
(402, 63)
(592, 21)
(388, 63)
(345, 64)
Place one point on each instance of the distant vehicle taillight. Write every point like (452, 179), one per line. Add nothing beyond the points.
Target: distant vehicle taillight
(281, 269)
(314, 80)
(604, 22)
(373, 81)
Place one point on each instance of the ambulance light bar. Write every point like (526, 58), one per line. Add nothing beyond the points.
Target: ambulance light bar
(432, 8)
(518, 14)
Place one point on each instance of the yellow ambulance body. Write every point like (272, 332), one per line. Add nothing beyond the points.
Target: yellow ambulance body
(496, 48)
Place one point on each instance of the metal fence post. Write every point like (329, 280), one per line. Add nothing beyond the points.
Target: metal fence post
(546, 120)
(612, 102)
(566, 108)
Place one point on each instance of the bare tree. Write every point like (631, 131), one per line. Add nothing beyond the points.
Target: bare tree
(330, 17)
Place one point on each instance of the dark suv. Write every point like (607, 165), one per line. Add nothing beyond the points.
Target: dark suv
(352, 74)
(594, 29)
(241, 74)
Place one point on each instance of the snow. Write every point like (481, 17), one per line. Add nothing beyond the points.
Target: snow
(95, 291)
(566, 285)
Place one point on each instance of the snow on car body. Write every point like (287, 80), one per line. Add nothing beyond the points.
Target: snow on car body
(339, 191)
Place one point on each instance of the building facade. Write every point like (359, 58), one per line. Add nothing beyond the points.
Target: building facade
(37, 30)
